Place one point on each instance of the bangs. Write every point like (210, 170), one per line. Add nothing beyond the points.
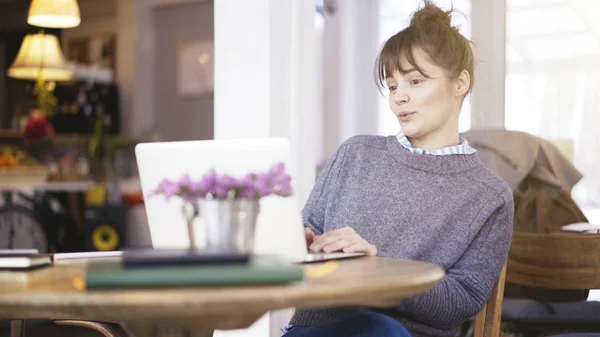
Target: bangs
(389, 59)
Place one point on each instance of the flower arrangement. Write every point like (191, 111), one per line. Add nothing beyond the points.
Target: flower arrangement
(225, 187)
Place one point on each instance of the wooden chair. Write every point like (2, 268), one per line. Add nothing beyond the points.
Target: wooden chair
(553, 261)
(487, 321)
(569, 261)
(17, 327)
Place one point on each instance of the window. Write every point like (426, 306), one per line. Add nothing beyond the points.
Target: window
(552, 81)
(395, 16)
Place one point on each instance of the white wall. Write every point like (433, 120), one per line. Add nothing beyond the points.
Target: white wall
(488, 35)
(350, 47)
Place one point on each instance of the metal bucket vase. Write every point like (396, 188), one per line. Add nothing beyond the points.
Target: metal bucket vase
(228, 224)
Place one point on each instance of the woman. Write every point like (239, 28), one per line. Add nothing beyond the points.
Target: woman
(421, 195)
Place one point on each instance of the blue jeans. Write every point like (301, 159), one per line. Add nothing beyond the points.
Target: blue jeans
(369, 324)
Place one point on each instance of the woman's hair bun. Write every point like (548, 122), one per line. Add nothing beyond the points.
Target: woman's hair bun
(430, 14)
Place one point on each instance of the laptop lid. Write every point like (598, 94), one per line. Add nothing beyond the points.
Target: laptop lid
(279, 227)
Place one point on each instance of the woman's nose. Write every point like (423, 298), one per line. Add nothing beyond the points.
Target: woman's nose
(401, 98)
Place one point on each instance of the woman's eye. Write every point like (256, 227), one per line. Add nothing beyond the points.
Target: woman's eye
(392, 87)
(415, 82)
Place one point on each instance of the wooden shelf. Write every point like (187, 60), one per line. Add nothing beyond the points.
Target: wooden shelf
(76, 139)
(49, 186)
(10, 135)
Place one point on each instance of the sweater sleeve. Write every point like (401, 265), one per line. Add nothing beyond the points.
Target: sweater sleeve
(468, 284)
(313, 213)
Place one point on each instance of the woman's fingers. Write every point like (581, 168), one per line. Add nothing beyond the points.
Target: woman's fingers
(343, 239)
(328, 237)
(322, 241)
(361, 247)
(337, 245)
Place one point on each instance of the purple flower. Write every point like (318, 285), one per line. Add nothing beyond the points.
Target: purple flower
(282, 180)
(277, 169)
(249, 179)
(282, 185)
(206, 185)
(171, 190)
(185, 181)
(228, 181)
(164, 184)
(284, 191)
(251, 186)
(263, 186)
(226, 186)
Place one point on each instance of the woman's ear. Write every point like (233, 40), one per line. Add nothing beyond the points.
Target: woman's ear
(462, 83)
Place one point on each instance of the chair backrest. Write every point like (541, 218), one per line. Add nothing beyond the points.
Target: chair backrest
(557, 261)
(487, 321)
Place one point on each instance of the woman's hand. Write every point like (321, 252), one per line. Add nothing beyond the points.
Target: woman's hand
(344, 239)
(309, 235)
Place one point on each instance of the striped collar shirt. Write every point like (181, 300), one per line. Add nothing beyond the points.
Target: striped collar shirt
(462, 148)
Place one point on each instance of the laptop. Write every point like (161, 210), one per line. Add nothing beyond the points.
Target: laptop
(279, 228)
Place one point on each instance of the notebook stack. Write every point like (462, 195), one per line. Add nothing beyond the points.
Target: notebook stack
(22, 259)
(185, 268)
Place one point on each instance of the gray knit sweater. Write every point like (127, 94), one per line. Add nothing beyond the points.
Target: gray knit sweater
(446, 210)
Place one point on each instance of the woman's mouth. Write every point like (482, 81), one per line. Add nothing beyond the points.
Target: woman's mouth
(406, 116)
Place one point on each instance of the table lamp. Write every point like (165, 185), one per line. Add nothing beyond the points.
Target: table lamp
(54, 13)
(41, 59)
(40, 55)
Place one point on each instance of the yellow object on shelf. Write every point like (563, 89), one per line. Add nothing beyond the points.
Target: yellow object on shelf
(17, 167)
(96, 195)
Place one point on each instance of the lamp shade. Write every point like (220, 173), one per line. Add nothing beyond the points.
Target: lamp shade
(54, 13)
(40, 54)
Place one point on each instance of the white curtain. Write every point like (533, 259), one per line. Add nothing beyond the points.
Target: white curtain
(562, 107)
(587, 142)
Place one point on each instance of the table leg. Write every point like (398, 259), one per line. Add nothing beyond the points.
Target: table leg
(17, 328)
(102, 328)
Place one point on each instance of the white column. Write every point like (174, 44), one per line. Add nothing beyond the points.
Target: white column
(351, 46)
(331, 80)
(488, 34)
(265, 86)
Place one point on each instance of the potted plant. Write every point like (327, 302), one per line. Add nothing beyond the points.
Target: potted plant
(228, 205)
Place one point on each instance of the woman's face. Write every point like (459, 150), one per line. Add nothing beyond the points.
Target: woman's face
(423, 105)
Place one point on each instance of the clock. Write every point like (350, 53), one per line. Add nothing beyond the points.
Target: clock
(19, 229)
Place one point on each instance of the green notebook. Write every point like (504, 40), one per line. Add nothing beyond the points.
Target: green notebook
(260, 270)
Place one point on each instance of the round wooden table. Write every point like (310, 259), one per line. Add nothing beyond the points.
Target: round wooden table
(51, 294)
